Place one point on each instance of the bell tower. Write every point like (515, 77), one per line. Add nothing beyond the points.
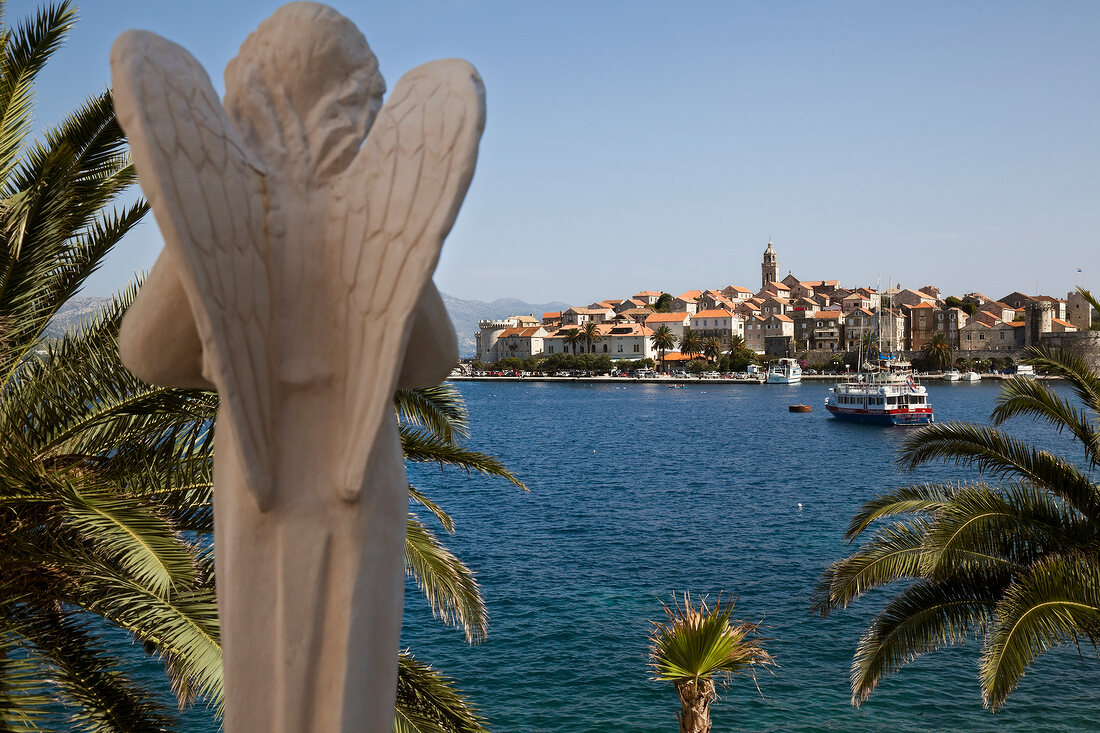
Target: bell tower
(769, 268)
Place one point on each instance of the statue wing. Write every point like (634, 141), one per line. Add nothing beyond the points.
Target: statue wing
(207, 192)
(416, 164)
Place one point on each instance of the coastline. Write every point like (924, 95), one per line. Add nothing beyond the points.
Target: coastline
(935, 377)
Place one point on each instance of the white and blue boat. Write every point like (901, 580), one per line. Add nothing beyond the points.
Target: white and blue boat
(884, 395)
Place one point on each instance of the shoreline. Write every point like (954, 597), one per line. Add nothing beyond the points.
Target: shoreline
(682, 381)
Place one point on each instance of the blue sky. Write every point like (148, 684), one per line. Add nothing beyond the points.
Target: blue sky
(641, 145)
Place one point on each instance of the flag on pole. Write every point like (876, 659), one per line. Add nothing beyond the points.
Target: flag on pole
(1079, 270)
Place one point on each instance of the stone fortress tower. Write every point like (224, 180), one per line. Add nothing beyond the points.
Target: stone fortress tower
(769, 268)
(1038, 316)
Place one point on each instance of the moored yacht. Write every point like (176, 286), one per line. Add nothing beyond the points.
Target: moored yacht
(952, 375)
(785, 371)
(883, 395)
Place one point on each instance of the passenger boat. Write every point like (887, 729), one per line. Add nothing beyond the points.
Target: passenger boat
(886, 394)
(785, 371)
(1025, 371)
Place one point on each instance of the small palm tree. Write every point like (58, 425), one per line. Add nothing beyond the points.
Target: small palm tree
(591, 334)
(1016, 564)
(697, 647)
(663, 339)
(712, 348)
(938, 352)
(573, 337)
(690, 343)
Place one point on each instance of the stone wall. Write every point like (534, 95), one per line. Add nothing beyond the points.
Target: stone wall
(1087, 341)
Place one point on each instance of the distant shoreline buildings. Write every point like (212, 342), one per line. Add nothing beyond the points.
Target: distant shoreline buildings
(788, 317)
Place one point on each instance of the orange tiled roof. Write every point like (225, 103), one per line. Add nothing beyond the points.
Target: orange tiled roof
(738, 289)
(788, 319)
(667, 317)
(648, 294)
(1060, 322)
(923, 305)
(831, 314)
(690, 295)
(551, 314)
(713, 313)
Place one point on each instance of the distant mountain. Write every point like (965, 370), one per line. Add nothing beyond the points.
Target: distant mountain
(72, 313)
(466, 313)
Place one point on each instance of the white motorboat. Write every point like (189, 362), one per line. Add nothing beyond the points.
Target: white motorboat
(883, 395)
(952, 375)
(972, 377)
(785, 371)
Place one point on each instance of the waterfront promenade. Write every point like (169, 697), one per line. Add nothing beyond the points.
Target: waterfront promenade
(669, 380)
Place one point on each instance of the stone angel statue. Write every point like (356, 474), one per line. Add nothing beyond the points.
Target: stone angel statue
(302, 222)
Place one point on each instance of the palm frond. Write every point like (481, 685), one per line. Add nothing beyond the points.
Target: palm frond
(24, 692)
(895, 552)
(24, 54)
(437, 511)
(1071, 365)
(98, 697)
(701, 643)
(925, 617)
(425, 447)
(139, 540)
(1033, 398)
(439, 409)
(450, 586)
(995, 453)
(427, 702)
(1053, 603)
(984, 528)
(182, 626)
(927, 499)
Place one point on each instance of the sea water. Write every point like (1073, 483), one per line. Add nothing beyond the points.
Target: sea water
(639, 491)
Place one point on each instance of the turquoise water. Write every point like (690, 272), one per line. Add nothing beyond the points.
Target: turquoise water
(640, 491)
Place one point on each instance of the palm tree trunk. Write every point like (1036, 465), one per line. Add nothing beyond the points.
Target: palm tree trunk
(695, 700)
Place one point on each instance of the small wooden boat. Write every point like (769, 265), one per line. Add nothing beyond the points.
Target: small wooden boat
(800, 408)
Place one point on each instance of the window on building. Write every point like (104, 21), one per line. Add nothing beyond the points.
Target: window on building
(981, 337)
(637, 348)
(620, 348)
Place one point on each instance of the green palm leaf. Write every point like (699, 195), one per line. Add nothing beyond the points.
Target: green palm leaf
(998, 454)
(448, 584)
(1055, 602)
(921, 619)
(895, 552)
(427, 702)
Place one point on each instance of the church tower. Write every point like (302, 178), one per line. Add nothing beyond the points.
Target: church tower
(769, 268)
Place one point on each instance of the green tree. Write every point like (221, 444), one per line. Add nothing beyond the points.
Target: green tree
(105, 480)
(573, 337)
(695, 647)
(1015, 564)
(591, 334)
(690, 343)
(662, 339)
(712, 348)
(938, 353)
(664, 303)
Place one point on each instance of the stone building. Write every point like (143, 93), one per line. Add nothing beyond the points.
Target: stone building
(769, 268)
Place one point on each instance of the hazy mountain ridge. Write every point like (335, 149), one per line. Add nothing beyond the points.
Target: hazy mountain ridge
(75, 310)
(464, 314)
